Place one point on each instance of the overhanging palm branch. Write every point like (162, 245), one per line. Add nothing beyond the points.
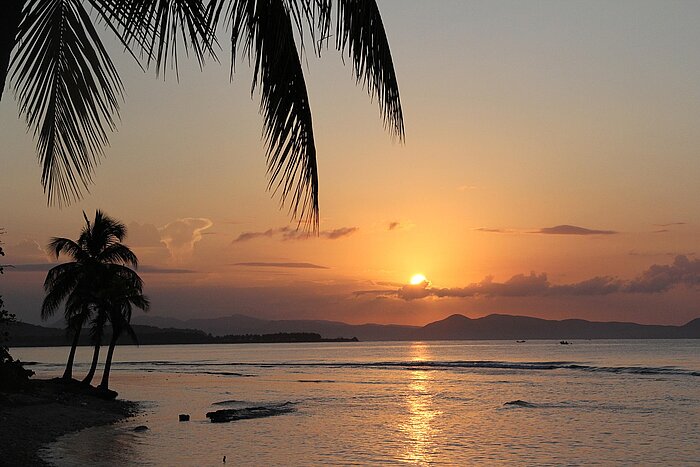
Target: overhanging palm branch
(264, 30)
(68, 88)
(69, 91)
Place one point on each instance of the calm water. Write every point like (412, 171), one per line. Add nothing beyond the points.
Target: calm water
(593, 402)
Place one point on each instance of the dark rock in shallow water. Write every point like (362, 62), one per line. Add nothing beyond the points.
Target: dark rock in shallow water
(519, 403)
(184, 417)
(141, 428)
(231, 415)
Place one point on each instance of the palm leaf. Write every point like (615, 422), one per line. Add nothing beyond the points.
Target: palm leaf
(69, 91)
(360, 33)
(9, 26)
(152, 29)
(264, 30)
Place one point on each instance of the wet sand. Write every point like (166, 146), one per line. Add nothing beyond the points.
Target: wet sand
(48, 409)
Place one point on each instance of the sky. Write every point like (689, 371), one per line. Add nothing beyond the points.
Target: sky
(550, 169)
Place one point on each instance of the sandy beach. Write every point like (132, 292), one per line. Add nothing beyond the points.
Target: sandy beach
(46, 410)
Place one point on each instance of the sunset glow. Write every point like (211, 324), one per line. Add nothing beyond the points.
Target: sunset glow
(418, 279)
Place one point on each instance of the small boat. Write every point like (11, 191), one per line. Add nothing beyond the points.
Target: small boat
(520, 342)
(565, 342)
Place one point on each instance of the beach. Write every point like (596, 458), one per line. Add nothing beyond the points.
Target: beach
(47, 410)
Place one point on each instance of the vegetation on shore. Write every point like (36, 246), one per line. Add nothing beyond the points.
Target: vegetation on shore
(97, 287)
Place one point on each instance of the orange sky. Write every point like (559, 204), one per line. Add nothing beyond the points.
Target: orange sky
(519, 117)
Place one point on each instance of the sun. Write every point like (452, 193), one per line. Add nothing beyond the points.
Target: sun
(418, 279)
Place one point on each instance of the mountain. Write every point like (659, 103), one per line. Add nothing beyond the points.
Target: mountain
(243, 324)
(524, 327)
(455, 327)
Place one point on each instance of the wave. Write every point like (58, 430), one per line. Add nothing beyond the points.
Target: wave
(439, 365)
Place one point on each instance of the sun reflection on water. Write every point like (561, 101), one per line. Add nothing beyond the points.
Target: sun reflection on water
(419, 427)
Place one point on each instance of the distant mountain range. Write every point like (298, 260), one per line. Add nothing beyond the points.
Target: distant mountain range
(455, 327)
(163, 330)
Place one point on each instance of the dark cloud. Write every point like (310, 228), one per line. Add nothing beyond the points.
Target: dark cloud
(656, 279)
(288, 233)
(572, 230)
(339, 233)
(282, 265)
(660, 278)
(158, 270)
(487, 230)
(43, 267)
(670, 224)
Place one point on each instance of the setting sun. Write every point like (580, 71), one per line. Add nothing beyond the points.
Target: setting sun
(418, 279)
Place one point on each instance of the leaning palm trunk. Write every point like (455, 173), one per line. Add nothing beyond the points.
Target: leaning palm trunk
(108, 363)
(93, 365)
(68, 373)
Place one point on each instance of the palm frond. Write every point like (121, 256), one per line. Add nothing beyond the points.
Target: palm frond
(152, 29)
(66, 246)
(264, 30)
(118, 253)
(68, 90)
(9, 27)
(360, 33)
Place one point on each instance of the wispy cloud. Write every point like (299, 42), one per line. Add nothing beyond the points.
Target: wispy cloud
(282, 265)
(670, 224)
(655, 279)
(563, 229)
(288, 233)
(572, 230)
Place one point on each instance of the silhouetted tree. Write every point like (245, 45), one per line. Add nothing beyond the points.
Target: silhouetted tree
(69, 90)
(119, 299)
(98, 257)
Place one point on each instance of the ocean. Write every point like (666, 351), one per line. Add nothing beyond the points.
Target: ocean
(622, 402)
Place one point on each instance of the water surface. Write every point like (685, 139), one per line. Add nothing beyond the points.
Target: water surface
(593, 402)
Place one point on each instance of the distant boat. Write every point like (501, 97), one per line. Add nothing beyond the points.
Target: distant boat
(520, 342)
(565, 342)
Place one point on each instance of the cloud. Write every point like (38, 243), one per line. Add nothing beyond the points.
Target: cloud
(670, 224)
(146, 269)
(397, 225)
(339, 233)
(26, 251)
(487, 230)
(282, 265)
(572, 230)
(288, 233)
(181, 235)
(660, 278)
(656, 279)
(143, 235)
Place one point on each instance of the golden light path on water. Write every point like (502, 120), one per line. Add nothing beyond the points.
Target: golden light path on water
(419, 428)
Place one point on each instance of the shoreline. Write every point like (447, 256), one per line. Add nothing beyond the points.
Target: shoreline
(48, 409)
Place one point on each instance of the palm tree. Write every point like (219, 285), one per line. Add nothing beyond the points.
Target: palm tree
(69, 90)
(97, 257)
(119, 300)
(115, 288)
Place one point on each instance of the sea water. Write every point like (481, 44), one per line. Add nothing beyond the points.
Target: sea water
(592, 402)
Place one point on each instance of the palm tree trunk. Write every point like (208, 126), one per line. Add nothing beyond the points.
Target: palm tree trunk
(108, 363)
(10, 18)
(93, 366)
(68, 374)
